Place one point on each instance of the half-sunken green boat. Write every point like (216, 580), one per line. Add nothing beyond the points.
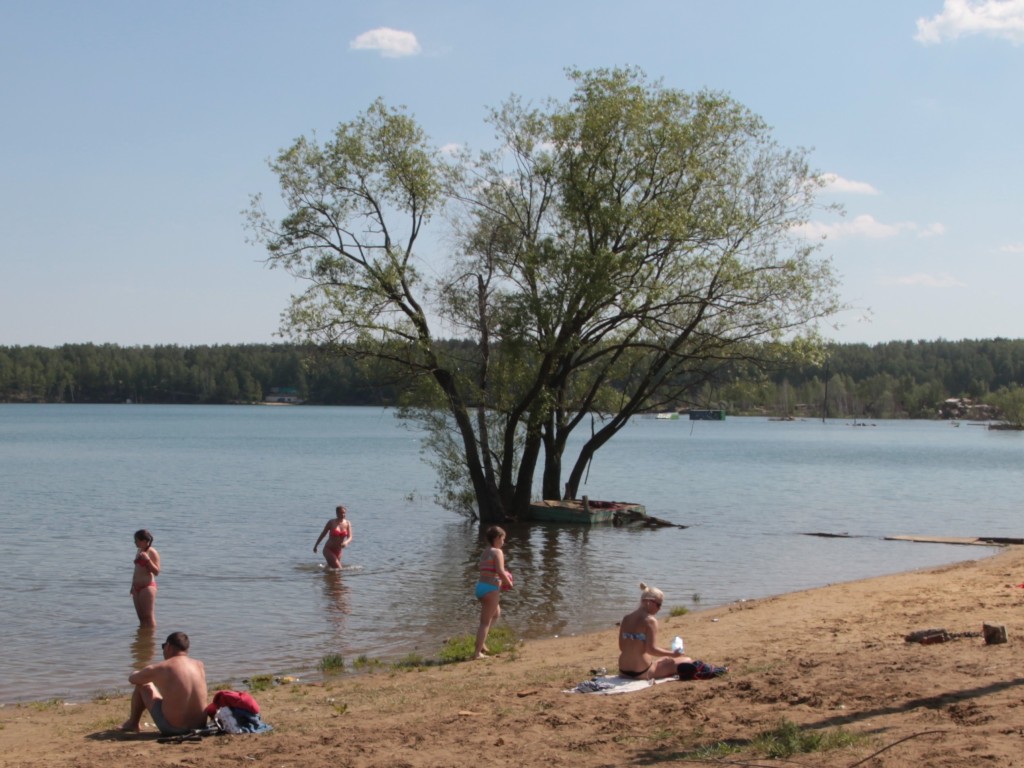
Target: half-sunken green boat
(587, 512)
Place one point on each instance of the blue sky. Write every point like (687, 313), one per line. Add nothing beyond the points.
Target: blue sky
(133, 133)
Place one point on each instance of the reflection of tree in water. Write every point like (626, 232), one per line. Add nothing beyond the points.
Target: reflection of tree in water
(547, 553)
(553, 584)
(336, 592)
(144, 646)
(538, 556)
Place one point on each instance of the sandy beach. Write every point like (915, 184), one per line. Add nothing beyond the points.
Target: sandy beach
(826, 661)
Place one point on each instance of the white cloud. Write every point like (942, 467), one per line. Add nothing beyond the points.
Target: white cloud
(452, 148)
(867, 226)
(836, 183)
(933, 230)
(864, 225)
(924, 280)
(996, 18)
(1012, 248)
(392, 43)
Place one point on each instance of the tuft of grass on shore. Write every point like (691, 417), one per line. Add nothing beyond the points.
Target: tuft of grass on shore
(47, 705)
(713, 752)
(787, 739)
(782, 741)
(364, 663)
(411, 660)
(463, 647)
(501, 640)
(259, 683)
(107, 695)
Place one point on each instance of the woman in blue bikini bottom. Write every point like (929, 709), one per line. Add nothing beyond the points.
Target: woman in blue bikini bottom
(493, 577)
(483, 588)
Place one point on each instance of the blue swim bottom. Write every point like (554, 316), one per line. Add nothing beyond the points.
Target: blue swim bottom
(156, 711)
(483, 588)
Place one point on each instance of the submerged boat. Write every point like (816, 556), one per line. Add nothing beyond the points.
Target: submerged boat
(587, 512)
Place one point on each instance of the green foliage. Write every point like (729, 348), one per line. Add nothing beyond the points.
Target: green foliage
(679, 610)
(364, 663)
(332, 662)
(411, 660)
(340, 709)
(713, 753)
(456, 649)
(787, 739)
(463, 648)
(47, 705)
(612, 254)
(259, 683)
(1010, 402)
(90, 373)
(890, 380)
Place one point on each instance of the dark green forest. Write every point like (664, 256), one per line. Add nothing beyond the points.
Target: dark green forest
(900, 379)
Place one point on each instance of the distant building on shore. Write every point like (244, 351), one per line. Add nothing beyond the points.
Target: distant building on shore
(283, 396)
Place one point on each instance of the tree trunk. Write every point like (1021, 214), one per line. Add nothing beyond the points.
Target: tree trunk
(551, 483)
(588, 450)
(488, 498)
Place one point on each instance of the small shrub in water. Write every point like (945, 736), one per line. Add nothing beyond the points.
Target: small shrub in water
(332, 662)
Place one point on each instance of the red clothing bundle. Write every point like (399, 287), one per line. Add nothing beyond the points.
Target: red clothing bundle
(233, 699)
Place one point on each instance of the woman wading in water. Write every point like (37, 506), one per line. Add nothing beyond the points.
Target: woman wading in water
(147, 568)
(338, 531)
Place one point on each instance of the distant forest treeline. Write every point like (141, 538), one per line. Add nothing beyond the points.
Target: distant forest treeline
(903, 379)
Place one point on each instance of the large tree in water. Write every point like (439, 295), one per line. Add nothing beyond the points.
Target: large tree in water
(608, 257)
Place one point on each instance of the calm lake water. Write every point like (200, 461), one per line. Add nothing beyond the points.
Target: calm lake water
(235, 497)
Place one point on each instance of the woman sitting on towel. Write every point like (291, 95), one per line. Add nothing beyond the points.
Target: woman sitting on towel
(639, 654)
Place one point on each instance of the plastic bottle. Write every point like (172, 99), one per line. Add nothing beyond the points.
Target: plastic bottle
(677, 644)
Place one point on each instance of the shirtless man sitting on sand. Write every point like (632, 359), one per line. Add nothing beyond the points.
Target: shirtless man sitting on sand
(173, 690)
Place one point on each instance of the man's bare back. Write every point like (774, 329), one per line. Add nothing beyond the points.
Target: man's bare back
(173, 690)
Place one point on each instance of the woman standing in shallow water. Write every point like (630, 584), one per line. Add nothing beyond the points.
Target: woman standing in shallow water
(147, 567)
(493, 579)
(338, 531)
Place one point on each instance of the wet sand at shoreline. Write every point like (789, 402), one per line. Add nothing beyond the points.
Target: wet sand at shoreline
(823, 659)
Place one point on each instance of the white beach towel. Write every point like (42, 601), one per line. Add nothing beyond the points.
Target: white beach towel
(616, 684)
